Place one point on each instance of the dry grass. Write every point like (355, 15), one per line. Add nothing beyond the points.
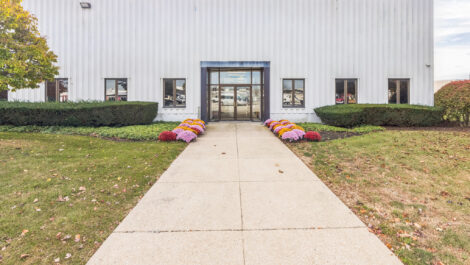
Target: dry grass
(411, 187)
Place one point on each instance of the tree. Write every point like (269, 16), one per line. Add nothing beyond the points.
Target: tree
(25, 58)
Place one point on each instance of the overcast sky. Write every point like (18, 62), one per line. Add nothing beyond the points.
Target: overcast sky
(452, 34)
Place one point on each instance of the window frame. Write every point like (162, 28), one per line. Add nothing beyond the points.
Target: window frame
(345, 90)
(174, 80)
(397, 83)
(116, 90)
(57, 96)
(293, 106)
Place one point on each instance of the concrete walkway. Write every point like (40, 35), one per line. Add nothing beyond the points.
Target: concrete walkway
(239, 196)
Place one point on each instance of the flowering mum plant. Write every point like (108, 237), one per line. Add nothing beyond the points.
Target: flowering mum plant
(199, 123)
(284, 130)
(299, 133)
(268, 122)
(298, 128)
(198, 129)
(184, 125)
(285, 122)
(290, 136)
(178, 130)
(313, 136)
(290, 125)
(167, 136)
(271, 126)
(186, 136)
(277, 129)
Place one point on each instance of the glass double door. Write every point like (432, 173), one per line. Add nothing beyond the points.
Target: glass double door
(236, 103)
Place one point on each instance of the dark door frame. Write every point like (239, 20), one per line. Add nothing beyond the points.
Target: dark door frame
(265, 92)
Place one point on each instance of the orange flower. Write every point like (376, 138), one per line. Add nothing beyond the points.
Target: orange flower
(282, 131)
(298, 128)
(191, 130)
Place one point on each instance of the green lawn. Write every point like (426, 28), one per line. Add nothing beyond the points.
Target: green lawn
(411, 187)
(65, 194)
(136, 132)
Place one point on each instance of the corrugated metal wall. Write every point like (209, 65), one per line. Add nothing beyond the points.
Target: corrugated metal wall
(319, 40)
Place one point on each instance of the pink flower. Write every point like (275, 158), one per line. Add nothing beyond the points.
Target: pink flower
(186, 136)
(285, 122)
(202, 124)
(178, 131)
(268, 121)
(299, 133)
(279, 128)
(290, 125)
(290, 136)
(273, 124)
(184, 125)
(197, 127)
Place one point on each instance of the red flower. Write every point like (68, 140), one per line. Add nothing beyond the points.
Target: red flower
(313, 136)
(167, 136)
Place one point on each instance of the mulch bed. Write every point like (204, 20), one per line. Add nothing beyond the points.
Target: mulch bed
(329, 135)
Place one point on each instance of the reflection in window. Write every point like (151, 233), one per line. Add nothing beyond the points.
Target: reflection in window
(116, 89)
(346, 91)
(57, 90)
(235, 77)
(293, 93)
(398, 91)
(174, 93)
(4, 95)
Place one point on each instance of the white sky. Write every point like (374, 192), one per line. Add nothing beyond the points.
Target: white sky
(452, 37)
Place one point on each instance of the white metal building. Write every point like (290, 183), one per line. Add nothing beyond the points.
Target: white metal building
(238, 59)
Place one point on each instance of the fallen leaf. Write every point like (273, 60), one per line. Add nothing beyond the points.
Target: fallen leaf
(77, 238)
(24, 232)
(68, 256)
(82, 189)
(23, 256)
(57, 260)
(36, 200)
(280, 171)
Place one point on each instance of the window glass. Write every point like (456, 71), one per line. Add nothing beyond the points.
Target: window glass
(122, 90)
(63, 85)
(214, 101)
(352, 92)
(398, 91)
(340, 92)
(256, 102)
(404, 90)
(392, 92)
(116, 89)
(4, 95)
(51, 95)
(232, 77)
(293, 93)
(299, 93)
(180, 93)
(214, 78)
(174, 93)
(256, 77)
(346, 91)
(110, 90)
(168, 98)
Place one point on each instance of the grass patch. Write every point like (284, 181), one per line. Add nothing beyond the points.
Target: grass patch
(411, 187)
(65, 194)
(136, 132)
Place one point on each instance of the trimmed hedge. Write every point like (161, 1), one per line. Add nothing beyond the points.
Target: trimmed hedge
(454, 98)
(77, 114)
(381, 115)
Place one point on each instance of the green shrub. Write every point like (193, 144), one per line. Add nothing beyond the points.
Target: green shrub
(135, 132)
(380, 115)
(454, 98)
(77, 114)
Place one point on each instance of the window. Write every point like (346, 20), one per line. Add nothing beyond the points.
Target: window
(4, 95)
(398, 91)
(346, 91)
(293, 93)
(116, 89)
(57, 90)
(174, 93)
